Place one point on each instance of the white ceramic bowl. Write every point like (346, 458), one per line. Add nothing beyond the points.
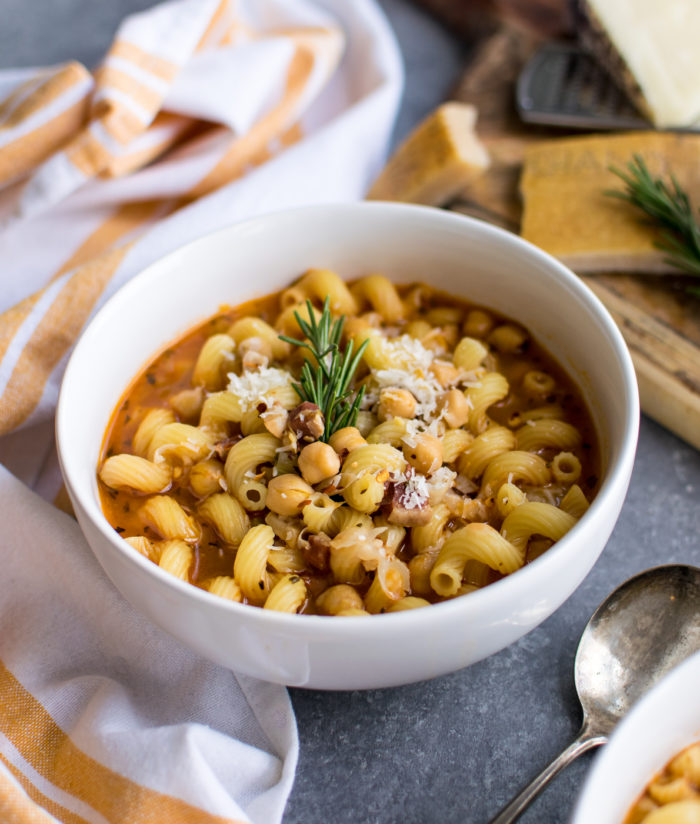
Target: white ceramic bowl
(407, 243)
(664, 722)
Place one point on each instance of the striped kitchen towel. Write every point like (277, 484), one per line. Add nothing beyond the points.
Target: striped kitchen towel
(103, 716)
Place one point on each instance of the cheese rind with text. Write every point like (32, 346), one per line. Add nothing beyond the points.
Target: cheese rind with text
(567, 213)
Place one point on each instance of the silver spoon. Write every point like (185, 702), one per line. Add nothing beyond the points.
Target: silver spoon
(642, 630)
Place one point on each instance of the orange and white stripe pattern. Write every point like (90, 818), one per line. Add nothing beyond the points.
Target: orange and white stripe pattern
(106, 719)
(45, 777)
(201, 90)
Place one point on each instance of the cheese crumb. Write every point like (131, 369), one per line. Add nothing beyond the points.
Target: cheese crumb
(439, 484)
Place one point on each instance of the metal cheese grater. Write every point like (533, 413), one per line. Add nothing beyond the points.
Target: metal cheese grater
(563, 85)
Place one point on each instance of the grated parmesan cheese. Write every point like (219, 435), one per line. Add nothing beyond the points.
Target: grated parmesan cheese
(251, 388)
(439, 483)
(416, 427)
(408, 352)
(416, 492)
(412, 371)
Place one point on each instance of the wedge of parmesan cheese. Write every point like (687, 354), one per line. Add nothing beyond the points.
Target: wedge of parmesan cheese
(567, 213)
(651, 47)
(437, 160)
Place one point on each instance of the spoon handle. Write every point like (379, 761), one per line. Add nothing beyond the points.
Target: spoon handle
(585, 740)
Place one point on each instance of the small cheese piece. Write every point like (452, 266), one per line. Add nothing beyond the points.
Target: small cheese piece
(651, 49)
(437, 160)
(567, 213)
(252, 388)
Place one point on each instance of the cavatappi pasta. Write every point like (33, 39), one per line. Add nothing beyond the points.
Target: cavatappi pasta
(673, 796)
(472, 453)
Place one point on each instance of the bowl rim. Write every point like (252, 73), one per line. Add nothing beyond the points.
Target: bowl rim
(614, 482)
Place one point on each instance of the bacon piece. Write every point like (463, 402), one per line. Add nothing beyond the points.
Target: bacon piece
(407, 509)
(316, 551)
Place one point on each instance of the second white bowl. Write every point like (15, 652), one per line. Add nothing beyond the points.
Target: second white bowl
(664, 722)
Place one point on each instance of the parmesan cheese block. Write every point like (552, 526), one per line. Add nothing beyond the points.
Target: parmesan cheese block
(651, 47)
(567, 213)
(437, 160)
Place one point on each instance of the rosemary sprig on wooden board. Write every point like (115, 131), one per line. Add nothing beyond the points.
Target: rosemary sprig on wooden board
(326, 380)
(669, 206)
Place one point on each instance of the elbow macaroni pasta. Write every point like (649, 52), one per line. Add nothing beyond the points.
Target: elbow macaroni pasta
(471, 454)
(382, 296)
(672, 796)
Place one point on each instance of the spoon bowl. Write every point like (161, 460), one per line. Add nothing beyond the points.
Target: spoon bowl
(646, 627)
(642, 630)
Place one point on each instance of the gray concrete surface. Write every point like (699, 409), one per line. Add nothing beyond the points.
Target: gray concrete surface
(454, 749)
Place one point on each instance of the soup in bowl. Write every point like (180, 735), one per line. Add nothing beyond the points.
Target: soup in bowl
(448, 503)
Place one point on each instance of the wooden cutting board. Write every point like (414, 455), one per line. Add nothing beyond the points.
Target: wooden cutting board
(660, 323)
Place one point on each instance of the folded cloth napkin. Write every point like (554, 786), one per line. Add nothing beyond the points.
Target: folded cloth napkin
(202, 113)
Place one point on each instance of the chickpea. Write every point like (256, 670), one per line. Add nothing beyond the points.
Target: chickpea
(317, 461)
(207, 477)
(451, 334)
(188, 403)
(442, 315)
(255, 352)
(396, 403)
(286, 494)
(418, 329)
(445, 373)
(455, 408)
(346, 439)
(478, 324)
(426, 455)
(507, 338)
(338, 598)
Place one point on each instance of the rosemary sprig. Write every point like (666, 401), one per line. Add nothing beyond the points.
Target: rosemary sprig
(325, 381)
(669, 206)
